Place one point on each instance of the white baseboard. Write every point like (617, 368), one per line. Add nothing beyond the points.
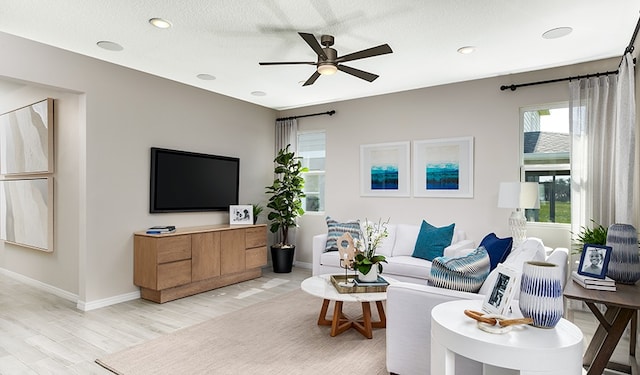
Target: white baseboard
(87, 306)
(80, 305)
(40, 285)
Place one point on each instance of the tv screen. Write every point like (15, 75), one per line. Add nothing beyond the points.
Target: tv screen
(184, 181)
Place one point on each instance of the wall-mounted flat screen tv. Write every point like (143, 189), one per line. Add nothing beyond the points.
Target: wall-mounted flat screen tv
(184, 181)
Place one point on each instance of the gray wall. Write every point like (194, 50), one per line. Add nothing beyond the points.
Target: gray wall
(107, 119)
(474, 108)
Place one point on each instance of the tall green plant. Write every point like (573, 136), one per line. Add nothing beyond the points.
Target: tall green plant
(286, 193)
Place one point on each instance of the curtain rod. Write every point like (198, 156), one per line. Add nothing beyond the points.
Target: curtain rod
(330, 113)
(629, 49)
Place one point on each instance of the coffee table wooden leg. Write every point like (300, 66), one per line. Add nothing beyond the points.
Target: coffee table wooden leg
(382, 323)
(322, 319)
(364, 326)
(339, 323)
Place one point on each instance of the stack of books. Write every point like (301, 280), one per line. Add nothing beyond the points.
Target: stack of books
(593, 283)
(380, 282)
(161, 229)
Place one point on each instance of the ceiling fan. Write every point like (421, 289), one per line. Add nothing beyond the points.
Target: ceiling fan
(329, 62)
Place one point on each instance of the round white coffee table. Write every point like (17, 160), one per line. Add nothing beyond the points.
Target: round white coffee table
(530, 350)
(321, 286)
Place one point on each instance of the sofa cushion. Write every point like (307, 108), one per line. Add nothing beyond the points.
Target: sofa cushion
(406, 236)
(432, 240)
(406, 265)
(530, 249)
(336, 229)
(466, 273)
(498, 248)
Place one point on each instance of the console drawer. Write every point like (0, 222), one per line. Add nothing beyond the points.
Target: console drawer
(174, 274)
(171, 249)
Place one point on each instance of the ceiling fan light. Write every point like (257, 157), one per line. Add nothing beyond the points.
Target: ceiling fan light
(327, 69)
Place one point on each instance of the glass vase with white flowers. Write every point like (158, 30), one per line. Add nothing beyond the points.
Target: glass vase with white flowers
(366, 258)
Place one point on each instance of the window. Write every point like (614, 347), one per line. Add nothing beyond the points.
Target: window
(546, 153)
(311, 147)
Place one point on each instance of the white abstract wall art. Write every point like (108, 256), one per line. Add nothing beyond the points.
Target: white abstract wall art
(26, 139)
(443, 168)
(384, 170)
(26, 212)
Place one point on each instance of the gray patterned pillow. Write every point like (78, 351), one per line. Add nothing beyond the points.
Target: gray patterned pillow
(337, 229)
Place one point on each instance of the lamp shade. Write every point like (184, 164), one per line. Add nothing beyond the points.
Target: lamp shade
(518, 195)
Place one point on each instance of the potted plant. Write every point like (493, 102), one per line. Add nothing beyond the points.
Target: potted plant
(257, 210)
(286, 205)
(596, 236)
(366, 259)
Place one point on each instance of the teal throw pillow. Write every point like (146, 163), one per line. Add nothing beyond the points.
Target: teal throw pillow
(466, 273)
(498, 248)
(432, 241)
(335, 230)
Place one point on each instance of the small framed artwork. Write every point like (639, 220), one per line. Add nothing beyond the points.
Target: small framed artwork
(26, 139)
(241, 214)
(26, 212)
(384, 170)
(443, 168)
(594, 261)
(498, 300)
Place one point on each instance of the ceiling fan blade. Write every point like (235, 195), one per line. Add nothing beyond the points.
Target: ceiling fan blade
(313, 43)
(370, 52)
(358, 73)
(312, 79)
(288, 63)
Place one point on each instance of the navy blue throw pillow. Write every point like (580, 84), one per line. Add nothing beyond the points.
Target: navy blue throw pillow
(498, 248)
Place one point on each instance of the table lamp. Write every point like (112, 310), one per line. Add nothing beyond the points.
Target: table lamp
(519, 196)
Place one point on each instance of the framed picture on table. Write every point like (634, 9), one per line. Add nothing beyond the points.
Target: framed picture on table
(504, 287)
(594, 261)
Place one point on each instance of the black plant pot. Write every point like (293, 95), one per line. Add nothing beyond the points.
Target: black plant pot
(282, 258)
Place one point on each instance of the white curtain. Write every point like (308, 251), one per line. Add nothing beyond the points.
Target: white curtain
(286, 134)
(602, 149)
(626, 205)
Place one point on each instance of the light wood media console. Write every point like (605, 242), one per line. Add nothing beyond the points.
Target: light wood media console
(196, 259)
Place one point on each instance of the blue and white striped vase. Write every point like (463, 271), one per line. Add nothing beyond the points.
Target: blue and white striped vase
(541, 293)
(624, 264)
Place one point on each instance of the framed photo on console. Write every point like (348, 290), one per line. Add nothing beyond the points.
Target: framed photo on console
(594, 261)
(241, 214)
(498, 300)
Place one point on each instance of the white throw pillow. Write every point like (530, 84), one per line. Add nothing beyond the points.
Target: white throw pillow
(530, 249)
(406, 237)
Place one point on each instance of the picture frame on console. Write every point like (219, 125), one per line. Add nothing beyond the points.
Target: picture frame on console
(443, 168)
(385, 170)
(241, 214)
(594, 261)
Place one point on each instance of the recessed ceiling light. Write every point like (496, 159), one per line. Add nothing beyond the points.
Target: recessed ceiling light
(111, 46)
(160, 23)
(466, 50)
(258, 93)
(556, 33)
(206, 77)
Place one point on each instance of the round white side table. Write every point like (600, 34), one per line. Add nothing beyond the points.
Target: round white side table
(525, 349)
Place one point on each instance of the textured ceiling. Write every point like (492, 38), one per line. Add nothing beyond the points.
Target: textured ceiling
(227, 39)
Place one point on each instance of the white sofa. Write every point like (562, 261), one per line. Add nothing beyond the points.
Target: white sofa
(409, 306)
(397, 248)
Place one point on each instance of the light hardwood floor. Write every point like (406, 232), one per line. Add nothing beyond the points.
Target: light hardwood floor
(43, 334)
